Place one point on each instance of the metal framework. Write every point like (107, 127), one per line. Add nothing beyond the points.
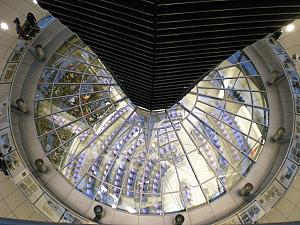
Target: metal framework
(142, 162)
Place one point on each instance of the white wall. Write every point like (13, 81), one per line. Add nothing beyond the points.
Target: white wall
(288, 208)
(12, 203)
(291, 41)
(9, 10)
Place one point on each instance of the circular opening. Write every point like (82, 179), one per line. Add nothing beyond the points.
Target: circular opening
(146, 162)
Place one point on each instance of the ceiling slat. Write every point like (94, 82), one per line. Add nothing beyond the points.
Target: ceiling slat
(158, 49)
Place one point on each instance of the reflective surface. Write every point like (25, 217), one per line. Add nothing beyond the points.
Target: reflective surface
(142, 162)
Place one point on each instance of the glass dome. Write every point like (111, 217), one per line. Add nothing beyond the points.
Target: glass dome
(149, 162)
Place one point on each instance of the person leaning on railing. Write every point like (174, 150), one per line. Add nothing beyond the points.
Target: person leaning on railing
(19, 28)
(29, 28)
(32, 25)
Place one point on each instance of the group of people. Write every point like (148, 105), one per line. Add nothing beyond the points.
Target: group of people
(29, 28)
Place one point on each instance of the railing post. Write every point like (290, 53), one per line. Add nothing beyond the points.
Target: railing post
(98, 210)
(39, 52)
(278, 135)
(276, 77)
(246, 190)
(179, 219)
(21, 105)
(40, 166)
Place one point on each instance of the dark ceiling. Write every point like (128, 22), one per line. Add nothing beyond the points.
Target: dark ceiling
(158, 49)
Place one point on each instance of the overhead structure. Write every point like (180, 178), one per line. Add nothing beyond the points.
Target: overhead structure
(158, 50)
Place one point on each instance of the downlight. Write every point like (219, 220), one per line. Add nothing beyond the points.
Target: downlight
(290, 27)
(4, 26)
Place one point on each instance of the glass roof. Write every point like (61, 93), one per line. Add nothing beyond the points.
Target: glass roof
(149, 162)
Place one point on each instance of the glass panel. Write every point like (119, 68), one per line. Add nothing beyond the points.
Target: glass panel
(153, 162)
(240, 56)
(193, 196)
(173, 202)
(42, 108)
(49, 141)
(89, 186)
(82, 55)
(62, 90)
(43, 125)
(58, 157)
(43, 91)
(249, 68)
(48, 76)
(63, 103)
(67, 77)
(153, 205)
(213, 189)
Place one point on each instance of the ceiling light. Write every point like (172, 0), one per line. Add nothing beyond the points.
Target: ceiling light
(35, 1)
(290, 27)
(4, 26)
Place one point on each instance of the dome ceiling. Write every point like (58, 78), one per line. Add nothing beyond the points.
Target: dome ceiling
(149, 162)
(158, 50)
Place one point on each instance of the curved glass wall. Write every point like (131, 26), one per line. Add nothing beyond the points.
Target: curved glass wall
(149, 162)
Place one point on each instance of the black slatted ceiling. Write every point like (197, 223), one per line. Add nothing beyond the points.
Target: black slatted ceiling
(159, 49)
